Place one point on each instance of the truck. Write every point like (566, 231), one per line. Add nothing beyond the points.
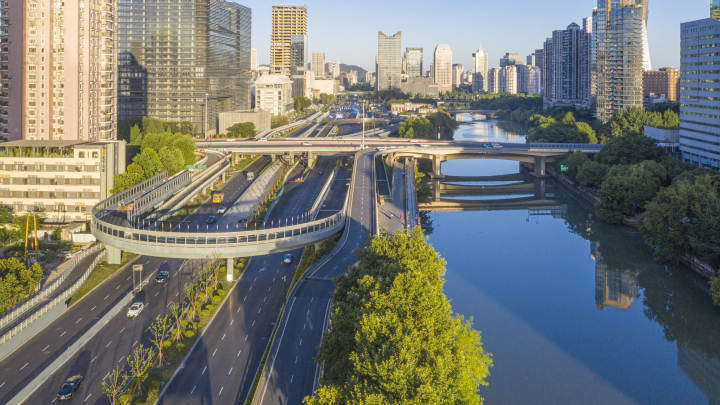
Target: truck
(217, 197)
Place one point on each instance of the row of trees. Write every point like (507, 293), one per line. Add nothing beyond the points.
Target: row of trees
(17, 281)
(167, 332)
(393, 337)
(160, 149)
(676, 205)
(435, 125)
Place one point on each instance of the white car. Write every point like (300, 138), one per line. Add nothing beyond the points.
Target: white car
(135, 309)
(262, 140)
(222, 210)
(306, 144)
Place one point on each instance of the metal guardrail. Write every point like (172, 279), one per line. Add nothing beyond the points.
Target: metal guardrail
(160, 193)
(127, 195)
(43, 294)
(57, 300)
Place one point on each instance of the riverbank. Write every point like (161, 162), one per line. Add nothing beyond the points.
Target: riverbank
(693, 262)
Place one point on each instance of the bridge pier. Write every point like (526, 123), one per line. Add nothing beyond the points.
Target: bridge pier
(114, 255)
(540, 167)
(230, 268)
(436, 189)
(437, 167)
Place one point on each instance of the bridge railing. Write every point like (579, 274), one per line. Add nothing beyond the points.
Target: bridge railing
(564, 146)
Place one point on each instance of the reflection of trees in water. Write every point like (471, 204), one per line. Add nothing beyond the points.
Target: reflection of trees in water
(674, 297)
(426, 223)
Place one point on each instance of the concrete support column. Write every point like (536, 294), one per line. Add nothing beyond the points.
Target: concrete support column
(114, 255)
(436, 166)
(310, 158)
(230, 268)
(540, 166)
(436, 190)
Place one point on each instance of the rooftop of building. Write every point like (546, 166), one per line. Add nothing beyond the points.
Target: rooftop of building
(272, 80)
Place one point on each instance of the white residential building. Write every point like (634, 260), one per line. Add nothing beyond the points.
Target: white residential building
(273, 93)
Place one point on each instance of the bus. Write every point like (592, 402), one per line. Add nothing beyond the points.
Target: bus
(217, 197)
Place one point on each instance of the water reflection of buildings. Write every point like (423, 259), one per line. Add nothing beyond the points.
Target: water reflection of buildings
(704, 371)
(615, 288)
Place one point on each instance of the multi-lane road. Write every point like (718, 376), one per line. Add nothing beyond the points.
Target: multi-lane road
(290, 371)
(114, 340)
(221, 368)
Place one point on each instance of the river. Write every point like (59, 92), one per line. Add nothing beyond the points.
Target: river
(574, 311)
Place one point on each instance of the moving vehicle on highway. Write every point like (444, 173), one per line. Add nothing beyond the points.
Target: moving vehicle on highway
(288, 258)
(210, 220)
(135, 309)
(250, 176)
(162, 276)
(69, 387)
(306, 144)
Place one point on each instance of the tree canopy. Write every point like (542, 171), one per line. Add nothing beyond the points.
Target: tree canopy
(393, 338)
(627, 189)
(429, 127)
(241, 130)
(17, 281)
(301, 103)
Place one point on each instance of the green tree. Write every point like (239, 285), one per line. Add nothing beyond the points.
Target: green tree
(628, 121)
(591, 174)
(394, 339)
(574, 161)
(6, 216)
(17, 281)
(627, 189)
(114, 384)
(241, 130)
(152, 125)
(715, 290)
(158, 328)
(630, 149)
(327, 99)
(301, 103)
(135, 135)
(150, 162)
(172, 159)
(139, 362)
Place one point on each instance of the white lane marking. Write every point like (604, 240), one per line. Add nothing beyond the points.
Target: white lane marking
(300, 341)
(117, 287)
(223, 337)
(106, 375)
(177, 293)
(78, 321)
(121, 331)
(265, 299)
(292, 377)
(230, 371)
(3, 383)
(246, 336)
(87, 397)
(238, 311)
(63, 334)
(296, 358)
(121, 359)
(214, 352)
(157, 293)
(250, 289)
(253, 324)
(221, 388)
(45, 348)
(238, 355)
(259, 310)
(93, 307)
(193, 389)
(93, 359)
(24, 365)
(204, 370)
(135, 343)
(232, 321)
(108, 344)
(127, 278)
(244, 299)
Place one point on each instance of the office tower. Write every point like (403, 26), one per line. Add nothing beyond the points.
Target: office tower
(510, 58)
(389, 61)
(664, 81)
(286, 22)
(253, 60)
(699, 110)
(715, 9)
(507, 79)
(567, 68)
(528, 79)
(443, 67)
(457, 75)
(619, 46)
(333, 69)
(59, 70)
(317, 64)
(183, 61)
(479, 70)
(493, 83)
(414, 62)
(298, 63)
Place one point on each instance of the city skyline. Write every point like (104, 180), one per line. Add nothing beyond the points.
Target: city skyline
(359, 45)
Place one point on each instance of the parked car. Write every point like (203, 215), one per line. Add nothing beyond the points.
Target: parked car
(288, 258)
(135, 309)
(69, 387)
(161, 276)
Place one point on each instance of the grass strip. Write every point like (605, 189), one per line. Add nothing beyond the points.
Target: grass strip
(101, 273)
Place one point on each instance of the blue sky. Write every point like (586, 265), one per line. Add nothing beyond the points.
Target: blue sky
(347, 30)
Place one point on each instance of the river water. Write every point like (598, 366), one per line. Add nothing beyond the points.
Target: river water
(574, 311)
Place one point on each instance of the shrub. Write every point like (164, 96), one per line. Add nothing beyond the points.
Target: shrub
(189, 333)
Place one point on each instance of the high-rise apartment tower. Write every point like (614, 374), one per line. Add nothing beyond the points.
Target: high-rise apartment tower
(286, 22)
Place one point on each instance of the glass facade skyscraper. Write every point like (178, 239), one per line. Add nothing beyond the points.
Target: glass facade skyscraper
(389, 61)
(183, 60)
(715, 9)
(619, 55)
(414, 62)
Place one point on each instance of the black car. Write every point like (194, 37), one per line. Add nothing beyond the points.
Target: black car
(210, 220)
(161, 276)
(69, 387)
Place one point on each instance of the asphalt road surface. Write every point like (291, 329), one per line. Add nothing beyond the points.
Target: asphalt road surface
(115, 339)
(290, 370)
(222, 367)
